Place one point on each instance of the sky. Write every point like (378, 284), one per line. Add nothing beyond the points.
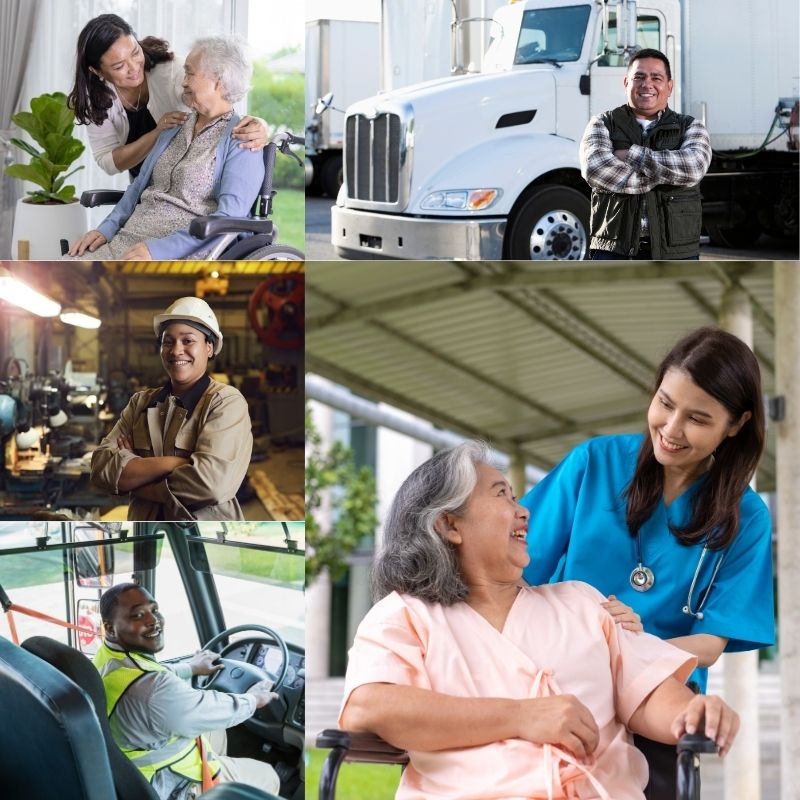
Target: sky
(265, 35)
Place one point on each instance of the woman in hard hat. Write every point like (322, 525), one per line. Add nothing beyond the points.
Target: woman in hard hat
(181, 450)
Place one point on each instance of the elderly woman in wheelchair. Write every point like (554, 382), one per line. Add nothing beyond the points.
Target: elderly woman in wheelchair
(194, 170)
(498, 689)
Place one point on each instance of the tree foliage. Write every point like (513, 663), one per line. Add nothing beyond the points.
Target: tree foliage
(332, 474)
(278, 98)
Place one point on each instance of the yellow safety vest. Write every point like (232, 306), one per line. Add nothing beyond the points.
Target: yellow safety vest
(181, 754)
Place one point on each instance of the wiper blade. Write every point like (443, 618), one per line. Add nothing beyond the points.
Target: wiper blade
(545, 61)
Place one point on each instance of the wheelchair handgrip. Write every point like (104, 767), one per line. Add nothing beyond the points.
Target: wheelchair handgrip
(101, 197)
(697, 743)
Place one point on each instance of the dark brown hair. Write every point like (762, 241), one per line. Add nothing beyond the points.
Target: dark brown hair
(649, 52)
(90, 97)
(724, 367)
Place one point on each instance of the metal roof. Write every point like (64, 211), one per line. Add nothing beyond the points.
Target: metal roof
(534, 358)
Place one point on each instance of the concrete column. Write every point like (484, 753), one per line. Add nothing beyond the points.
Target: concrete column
(742, 765)
(787, 384)
(516, 473)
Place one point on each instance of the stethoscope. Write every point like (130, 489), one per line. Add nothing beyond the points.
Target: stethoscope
(642, 578)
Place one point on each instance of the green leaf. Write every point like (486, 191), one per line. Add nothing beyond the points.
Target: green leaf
(23, 145)
(50, 123)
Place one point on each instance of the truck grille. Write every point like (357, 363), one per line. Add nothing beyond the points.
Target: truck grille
(372, 157)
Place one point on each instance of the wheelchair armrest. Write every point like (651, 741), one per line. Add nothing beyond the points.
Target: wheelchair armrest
(362, 747)
(101, 197)
(204, 227)
(687, 768)
(358, 747)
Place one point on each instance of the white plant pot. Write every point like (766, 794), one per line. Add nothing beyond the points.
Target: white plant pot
(43, 226)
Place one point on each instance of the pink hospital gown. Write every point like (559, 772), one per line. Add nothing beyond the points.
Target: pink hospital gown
(557, 639)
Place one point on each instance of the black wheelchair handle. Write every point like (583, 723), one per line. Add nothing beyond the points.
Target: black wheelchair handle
(696, 743)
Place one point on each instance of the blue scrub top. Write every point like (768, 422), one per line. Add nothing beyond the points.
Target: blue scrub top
(578, 532)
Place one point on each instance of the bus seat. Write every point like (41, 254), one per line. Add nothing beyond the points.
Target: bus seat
(128, 781)
(49, 736)
(237, 791)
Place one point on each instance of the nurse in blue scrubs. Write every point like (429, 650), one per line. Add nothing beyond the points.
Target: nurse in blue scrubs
(665, 521)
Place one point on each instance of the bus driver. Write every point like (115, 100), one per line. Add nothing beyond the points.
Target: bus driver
(156, 716)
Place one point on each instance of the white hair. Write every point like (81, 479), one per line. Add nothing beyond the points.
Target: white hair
(225, 59)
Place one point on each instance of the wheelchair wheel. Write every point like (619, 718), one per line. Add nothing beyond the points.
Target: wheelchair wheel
(276, 252)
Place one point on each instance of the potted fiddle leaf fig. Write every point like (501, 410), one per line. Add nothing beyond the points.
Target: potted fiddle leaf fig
(51, 212)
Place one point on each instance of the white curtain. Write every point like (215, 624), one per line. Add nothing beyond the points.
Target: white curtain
(16, 28)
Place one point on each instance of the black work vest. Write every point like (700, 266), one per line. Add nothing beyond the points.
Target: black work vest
(674, 212)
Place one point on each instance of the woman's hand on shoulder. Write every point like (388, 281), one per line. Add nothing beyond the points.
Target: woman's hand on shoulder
(252, 132)
(623, 615)
(560, 720)
(89, 241)
(172, 119)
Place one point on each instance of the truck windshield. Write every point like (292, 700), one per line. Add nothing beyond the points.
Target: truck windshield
(552, 34)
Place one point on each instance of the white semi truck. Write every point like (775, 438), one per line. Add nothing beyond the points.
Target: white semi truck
(485, 166)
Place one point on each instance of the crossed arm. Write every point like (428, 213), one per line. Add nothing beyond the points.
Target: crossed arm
(639, 169)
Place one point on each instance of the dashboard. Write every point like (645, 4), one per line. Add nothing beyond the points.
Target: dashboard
(268, 657)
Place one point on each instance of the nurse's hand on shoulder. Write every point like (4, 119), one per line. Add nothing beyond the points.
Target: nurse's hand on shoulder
(711, 715)
(561, 720)
(623, 615)
(138, 252)
(89, 241)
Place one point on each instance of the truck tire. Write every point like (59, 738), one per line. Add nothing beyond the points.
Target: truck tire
(551, 224)
(331, 175)
(739, 236)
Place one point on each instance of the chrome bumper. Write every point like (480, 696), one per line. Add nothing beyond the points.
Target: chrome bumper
(364, 234)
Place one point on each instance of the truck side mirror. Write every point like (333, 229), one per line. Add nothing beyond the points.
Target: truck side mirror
(324, 103)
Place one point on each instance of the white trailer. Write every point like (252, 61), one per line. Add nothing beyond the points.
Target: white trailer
(342, 58)
(485, 165)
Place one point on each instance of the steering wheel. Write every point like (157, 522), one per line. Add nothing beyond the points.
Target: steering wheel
(239, 676)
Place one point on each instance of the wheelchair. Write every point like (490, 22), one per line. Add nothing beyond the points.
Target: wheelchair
(250, 238)
(367, 748)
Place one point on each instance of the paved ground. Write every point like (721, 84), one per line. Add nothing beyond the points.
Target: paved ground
(324, 696)
(319, 248)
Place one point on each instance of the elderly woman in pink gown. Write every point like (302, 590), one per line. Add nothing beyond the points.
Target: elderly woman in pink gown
(497, 689)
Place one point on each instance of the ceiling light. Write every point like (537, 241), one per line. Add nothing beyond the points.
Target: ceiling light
(72, 316)
(14, 291)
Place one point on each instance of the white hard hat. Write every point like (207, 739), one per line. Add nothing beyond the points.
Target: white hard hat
(191, 309)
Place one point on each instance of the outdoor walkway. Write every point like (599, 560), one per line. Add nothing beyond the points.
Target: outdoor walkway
(323, 698)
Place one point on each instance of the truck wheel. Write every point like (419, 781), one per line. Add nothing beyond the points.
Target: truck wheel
(331, 176)
(552, 224)
(741, 236)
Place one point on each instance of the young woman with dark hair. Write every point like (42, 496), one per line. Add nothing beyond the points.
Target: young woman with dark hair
(128, 91)
(664, 523)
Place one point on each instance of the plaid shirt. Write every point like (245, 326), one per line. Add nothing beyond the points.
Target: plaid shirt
(644, 169)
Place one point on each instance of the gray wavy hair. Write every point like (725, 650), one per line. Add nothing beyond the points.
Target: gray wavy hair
(415, 558)
(225, 58)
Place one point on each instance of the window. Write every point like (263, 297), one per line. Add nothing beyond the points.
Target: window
(648, 34)
(552, 34)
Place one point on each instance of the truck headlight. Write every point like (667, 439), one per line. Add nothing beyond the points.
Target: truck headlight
(466, 199)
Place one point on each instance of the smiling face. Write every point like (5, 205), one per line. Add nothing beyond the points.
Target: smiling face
(647, 87)
(184, 354)
(491, 532)
(123, 63)
(136, 623)
(201, 91)
(687, 424)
